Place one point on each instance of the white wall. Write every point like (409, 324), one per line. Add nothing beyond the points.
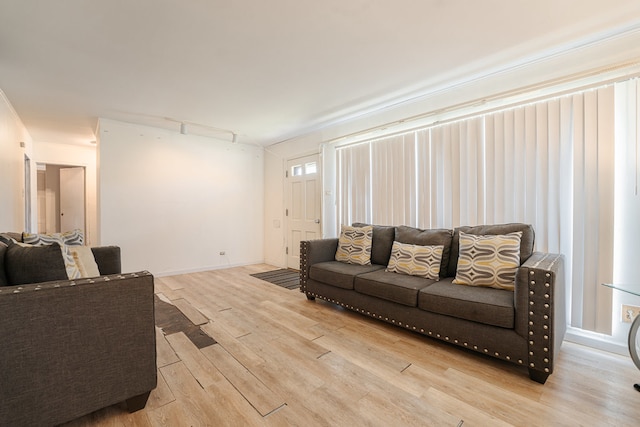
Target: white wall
(173, 202)
(12, 178)
(75, 155)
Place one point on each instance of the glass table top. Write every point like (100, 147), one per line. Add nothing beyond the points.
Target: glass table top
(630, 288)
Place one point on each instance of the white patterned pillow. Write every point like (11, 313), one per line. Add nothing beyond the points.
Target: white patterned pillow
(416, 260)
(354, 245)
(74, 238)
(489, 260)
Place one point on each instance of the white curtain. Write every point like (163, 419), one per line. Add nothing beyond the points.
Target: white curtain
(354, 184)
(549, 164)
(393, 183)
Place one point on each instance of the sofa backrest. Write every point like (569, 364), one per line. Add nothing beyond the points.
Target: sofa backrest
(384, 236)
(526, 243)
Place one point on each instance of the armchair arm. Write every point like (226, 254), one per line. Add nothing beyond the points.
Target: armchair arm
(540, 310)
(72, 347)
(313, 252)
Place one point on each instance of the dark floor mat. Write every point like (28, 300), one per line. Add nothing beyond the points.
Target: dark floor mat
(284, 277)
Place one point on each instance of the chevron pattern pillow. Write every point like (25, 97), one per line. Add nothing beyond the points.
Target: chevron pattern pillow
(489, 260)
(72, 238)
(416, 260)
(354, 245)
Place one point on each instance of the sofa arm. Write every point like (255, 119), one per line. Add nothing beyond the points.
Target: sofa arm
(540, 310)
(72, 347)
(108, 259)
(313, 252)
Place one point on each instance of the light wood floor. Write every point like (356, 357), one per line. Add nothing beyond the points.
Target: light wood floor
(282, 360)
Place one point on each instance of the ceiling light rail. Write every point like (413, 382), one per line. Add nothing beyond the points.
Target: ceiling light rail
(185, 127)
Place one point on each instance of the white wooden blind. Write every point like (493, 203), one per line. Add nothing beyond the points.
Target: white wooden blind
(549, 164)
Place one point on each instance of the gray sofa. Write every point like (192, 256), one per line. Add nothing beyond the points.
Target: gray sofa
(72, 347)
(525, 326)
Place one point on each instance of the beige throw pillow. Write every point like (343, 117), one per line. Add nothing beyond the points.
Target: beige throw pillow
(416, 260)
(489, 260)
(85, 261)
(354, 245)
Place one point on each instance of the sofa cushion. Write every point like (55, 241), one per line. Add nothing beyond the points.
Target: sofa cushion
(33, 264)
(354, 245)
(526, 242)
(435, 237)
(398, 288)
(339, 274)
(490, 261)
(484, 305)
(415, 260)
(383, 237)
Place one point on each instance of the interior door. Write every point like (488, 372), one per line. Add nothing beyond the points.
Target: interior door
(72, 206)
(303, 208)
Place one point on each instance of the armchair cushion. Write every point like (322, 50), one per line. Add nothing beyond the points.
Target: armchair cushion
(33, 264)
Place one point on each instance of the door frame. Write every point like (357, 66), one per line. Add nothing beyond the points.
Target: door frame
(287, 199)
(42, 166)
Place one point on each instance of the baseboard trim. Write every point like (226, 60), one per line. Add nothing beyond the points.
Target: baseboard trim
(206, 268)
(596, 340)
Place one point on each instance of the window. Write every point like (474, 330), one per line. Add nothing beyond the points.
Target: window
(307, 169)
(549, 164)
(310, 168)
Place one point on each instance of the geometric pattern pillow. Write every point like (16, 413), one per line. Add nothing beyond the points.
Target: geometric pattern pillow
(415, 260)
(354, 245)
(489, 260)
(75, 237)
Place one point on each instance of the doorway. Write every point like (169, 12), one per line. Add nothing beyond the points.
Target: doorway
(61, 198)
(302, 205)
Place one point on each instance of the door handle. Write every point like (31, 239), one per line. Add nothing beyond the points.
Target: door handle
(317, 221)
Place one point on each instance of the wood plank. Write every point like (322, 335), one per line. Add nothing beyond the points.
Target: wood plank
(164, 352)
(200, 367)
(161, 395)
(191, 312)
(237, 349)
(255, 391)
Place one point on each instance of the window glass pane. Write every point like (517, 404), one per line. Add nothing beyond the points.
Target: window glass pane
(296, 170)
(310, 168)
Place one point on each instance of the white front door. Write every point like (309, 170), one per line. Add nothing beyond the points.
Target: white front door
(72, 199)
(302, 215)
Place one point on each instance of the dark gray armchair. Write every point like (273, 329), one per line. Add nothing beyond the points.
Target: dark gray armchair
(69, 348)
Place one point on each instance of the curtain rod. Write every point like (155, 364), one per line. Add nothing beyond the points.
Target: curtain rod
(617, 69)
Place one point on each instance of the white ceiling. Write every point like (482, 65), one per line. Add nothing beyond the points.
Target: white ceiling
(265, 70)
